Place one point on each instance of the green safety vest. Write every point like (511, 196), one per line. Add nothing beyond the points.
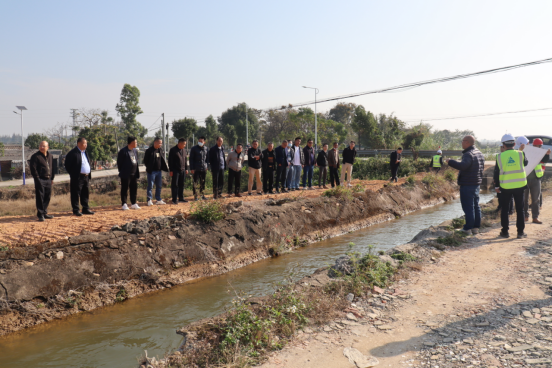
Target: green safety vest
(436, 161)
(539, 171)
(512, 173)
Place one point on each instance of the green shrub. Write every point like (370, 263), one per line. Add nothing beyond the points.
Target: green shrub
(458, 222)
(377, 168)
(453, 240)
(207, 211)
(122, 295)
(405, 257)
(358, 188)
(433, 180)
(450, 175)
(410, 180)
(339, 192)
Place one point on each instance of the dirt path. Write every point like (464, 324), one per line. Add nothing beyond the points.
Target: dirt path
(25, 230)
(482, 305)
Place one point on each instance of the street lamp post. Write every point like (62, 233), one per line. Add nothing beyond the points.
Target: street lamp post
(21, 108)
(315, 119)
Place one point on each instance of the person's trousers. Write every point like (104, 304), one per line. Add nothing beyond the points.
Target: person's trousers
(334, 176)
(234, 177)
(533, 188)
(155, 177)
(268, 179)
(177, 185)
(289, 177)
(322, 172)
(254, 174)
(394, 171)
(199, 182)
(296, 176)
(346, 169)
(43, 192)
(280, 177)
(129, 184)
(510, 207)
(505, 197)
(469, 198)
(218, 182)
(307, 175)
(80, 190)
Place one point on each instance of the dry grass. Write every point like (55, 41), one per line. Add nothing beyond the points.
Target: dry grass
(61, 203)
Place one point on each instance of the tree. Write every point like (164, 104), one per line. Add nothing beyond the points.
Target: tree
(232, 124)
(101, 146)
(33, 140)
(343, 113)
(1, 149)
(184, 128)
(128, 109)
(392, 130)
(365, 125)
(88, 117)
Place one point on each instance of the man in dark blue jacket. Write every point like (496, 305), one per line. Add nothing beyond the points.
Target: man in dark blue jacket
(198, 165)
(282, 164)
(217, 160)
(469, 180)
(127, 163)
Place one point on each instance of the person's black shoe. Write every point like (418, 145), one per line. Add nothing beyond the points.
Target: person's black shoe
(87, 212)
(173, 202)
(41, 219)
(49, 217)
(270, 192)
(77, 213)
(183, 200)
(203, 197)
(521, 235)
(277, 190)
(504, 234)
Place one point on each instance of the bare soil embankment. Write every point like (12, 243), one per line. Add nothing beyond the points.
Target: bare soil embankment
(56, 279)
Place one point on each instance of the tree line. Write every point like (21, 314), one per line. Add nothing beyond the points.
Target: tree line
(342, 123)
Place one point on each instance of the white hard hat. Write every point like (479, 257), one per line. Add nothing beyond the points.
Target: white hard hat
(439, 151)
(507, 138)
(521, 140)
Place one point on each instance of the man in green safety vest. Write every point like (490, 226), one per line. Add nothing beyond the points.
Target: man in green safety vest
(437, 161)
(510, 175)
(534, 186)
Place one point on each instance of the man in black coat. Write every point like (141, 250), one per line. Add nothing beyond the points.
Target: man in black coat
(322, 163)
(282, 162)
(154, 160)
(178, 168)
(127, 163)
(394, 163)
(77, 165)
(43, 175)
(217, 160)
(198, 164)
(269, 164)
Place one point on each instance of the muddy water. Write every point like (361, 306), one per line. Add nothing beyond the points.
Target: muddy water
(117, 335)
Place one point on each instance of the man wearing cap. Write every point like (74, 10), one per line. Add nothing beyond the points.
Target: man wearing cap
(469, 180)
(437, 161)
(509, 172)
(534, 186)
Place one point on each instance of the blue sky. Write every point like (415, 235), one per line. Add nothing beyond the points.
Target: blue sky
(191, 58)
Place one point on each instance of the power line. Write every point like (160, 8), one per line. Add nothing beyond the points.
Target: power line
(423, 83)
(490, 114)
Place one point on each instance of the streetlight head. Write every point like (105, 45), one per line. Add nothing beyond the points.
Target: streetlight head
(21, 107)
(304, 86)
(15, 112)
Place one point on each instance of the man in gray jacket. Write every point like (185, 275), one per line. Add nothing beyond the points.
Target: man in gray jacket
(234, 162)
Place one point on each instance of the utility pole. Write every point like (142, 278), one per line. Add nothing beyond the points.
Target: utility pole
(74, 121)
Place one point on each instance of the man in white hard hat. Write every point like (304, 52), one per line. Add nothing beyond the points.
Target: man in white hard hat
(437, 161)
(470, 178)
(510, 175)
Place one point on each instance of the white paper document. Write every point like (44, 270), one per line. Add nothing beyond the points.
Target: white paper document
(534, 155)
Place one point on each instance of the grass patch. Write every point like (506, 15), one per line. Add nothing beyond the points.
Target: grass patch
(340, 193)
(450, 175)
(207, 211)
(358, 188)
(433, 180)
(458, 222)
(121, 296)
(453, 240)
(405, 257)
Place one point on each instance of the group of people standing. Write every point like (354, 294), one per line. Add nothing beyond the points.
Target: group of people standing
(512, 184)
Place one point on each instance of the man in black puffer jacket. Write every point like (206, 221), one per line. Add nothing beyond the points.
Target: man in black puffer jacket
(469, 180)
(198, 165)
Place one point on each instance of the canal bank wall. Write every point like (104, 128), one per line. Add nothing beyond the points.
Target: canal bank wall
(57, 279)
